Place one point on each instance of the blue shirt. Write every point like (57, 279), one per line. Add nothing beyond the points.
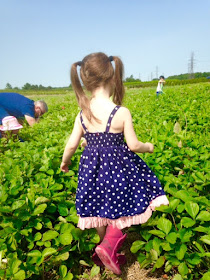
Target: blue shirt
(17, 105)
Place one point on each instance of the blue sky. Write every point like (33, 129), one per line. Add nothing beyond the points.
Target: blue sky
(40, 39)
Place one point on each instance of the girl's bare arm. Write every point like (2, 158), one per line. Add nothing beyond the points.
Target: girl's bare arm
(72, 144)
(133, 143)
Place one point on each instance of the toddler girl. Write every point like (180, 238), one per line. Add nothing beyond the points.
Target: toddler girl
(10, 128)
(116, 189)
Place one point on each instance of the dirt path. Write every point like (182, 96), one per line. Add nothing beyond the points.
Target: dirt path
(131, 270)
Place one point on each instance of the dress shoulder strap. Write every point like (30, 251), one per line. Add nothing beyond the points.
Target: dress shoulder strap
(111, 117)
(82, 122)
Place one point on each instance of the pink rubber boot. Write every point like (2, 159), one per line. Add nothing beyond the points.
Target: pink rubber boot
(107, 250)
(121, 259)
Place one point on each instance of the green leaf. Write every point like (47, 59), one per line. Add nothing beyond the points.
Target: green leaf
(47, 244)
(95, 239)
(171, 237)
(94, 271)
(192, 208)
(50, 172)
(183, 269)
(168, 267)
(166, 246)
(154, 254)
(20, 275)
(180, 208)
(185, 235)
(63, 209)
(65, 238)
(40, 209)
(49, 235)
(156, 244)
(48, 251)
(149, 246)
(41, 199)
(82, 262)
(136, 246)
(203, 216)
(174, 203)
(34, 253)
(160, 262)
(205, 239)
(177, 277)
(62, 257)
(206, 276)
(165, 225)
(69, 276)
(200, 248)
(187, 222)
(38, 226)
(183, 195)
(15, 264)
(158, 233)
(17, 204)
(173, 260)
(180, 251)
(63, 270)
(201, 229)
(145, 234)
(141, 257)
(194, 259)
(37, 236)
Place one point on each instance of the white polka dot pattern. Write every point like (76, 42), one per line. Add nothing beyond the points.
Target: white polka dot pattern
(113, 182)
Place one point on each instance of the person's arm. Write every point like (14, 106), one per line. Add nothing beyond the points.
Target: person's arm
(72, 145)
(130, 136)
(30, 120)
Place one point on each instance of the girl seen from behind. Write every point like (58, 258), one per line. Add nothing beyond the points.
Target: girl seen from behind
(116, 189)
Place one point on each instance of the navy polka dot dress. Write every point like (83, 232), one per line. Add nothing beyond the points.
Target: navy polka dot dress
(113, 181)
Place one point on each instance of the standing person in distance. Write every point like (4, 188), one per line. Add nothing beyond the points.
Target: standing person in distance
(161, 82)
(116, 189)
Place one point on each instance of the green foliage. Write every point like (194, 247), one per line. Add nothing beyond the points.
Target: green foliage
(38, 233)
(38, 218)
(131, 79)
(186, 76)
(169, 82)
(179, 233)
(8, 86)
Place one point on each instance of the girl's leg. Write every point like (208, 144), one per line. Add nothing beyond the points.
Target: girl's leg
(101, 232)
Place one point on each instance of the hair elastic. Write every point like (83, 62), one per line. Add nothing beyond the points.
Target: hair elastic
(79, 63)
(111, 58)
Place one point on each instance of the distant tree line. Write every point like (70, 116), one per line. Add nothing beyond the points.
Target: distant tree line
(131, 79)
(187, 75)
(128, 80)
(28, 86)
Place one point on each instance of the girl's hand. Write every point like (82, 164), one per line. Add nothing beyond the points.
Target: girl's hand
(65, 166)
(150, 147)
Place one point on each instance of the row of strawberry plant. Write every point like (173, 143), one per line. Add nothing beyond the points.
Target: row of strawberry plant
(38, 234)
(176, 238)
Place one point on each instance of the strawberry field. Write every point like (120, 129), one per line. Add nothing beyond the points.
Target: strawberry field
(38, 234)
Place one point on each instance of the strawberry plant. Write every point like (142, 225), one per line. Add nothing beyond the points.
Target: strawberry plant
(38, 233)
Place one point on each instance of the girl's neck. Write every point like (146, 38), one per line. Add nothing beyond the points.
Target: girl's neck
(101, 93)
